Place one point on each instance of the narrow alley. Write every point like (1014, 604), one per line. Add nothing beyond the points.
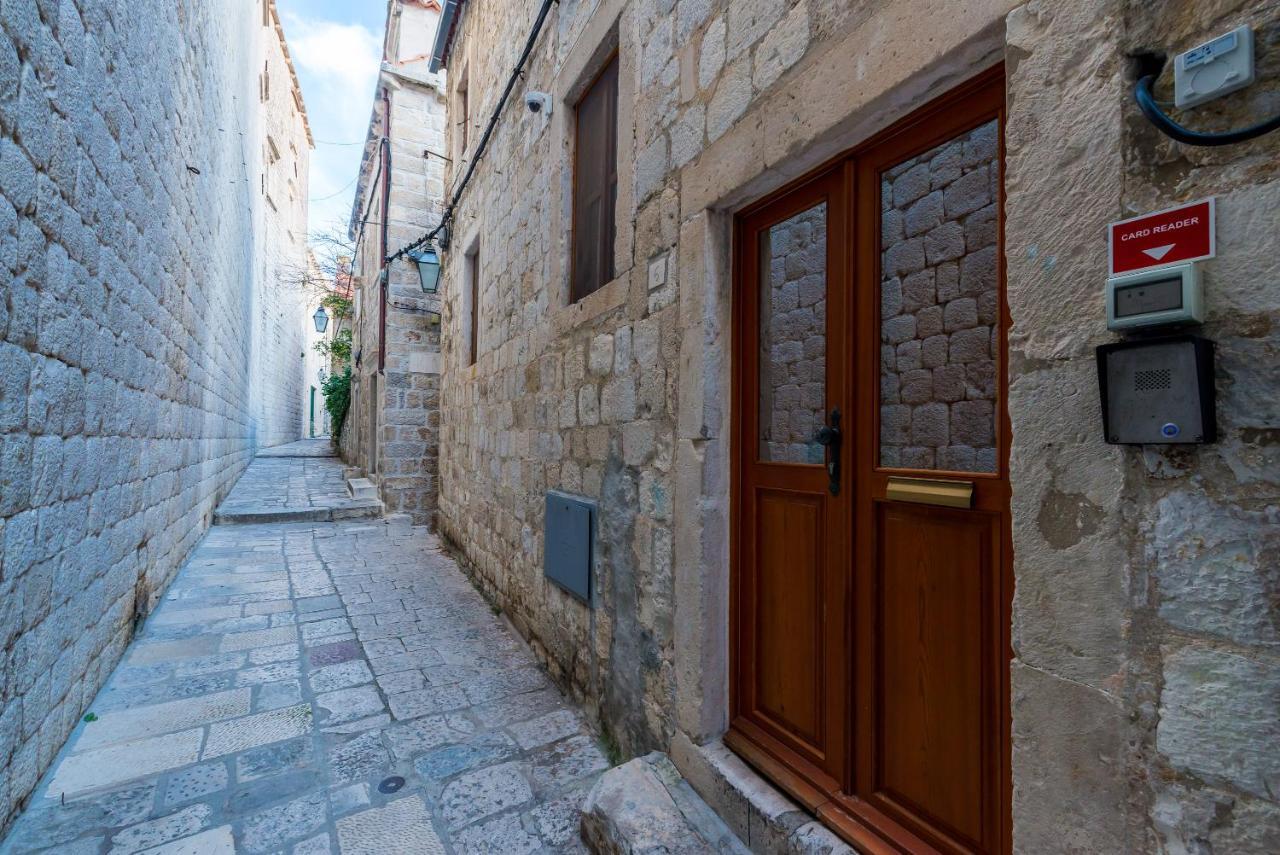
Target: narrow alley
(312, 686)
(639, 427)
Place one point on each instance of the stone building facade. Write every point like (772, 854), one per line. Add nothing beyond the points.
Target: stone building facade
(130, 257)
(280, 312)
(1144, 692)
(392, 431)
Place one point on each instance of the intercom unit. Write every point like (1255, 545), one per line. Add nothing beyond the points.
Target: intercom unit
(1157, 391)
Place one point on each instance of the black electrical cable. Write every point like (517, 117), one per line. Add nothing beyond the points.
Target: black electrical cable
(1173, 130)
(516, 73)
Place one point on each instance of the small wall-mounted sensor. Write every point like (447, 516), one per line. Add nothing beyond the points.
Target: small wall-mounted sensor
(1167, 296)
(1213, 69)
(538, 102)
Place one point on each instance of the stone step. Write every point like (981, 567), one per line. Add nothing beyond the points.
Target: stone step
(362, 488)
(355, 509)
(645, 807)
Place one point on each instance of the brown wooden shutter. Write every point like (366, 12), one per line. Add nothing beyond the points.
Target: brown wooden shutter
(595, 190)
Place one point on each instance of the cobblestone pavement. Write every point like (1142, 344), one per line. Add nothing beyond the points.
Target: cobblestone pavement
(305, 485)
(320, 687)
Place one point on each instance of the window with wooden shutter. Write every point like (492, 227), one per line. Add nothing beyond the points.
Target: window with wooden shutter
(473, 265)
(595, 185)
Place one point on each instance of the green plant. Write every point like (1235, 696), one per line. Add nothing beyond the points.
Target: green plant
(337, 348)
(339, 307)
(337, 398)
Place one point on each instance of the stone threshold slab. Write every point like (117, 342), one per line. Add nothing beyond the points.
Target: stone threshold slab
(755, 810)
(645, 806)
(349, 511)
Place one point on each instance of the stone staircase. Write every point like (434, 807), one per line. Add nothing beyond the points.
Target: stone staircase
(299, 482)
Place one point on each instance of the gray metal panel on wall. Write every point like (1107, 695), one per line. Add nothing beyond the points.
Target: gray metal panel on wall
(569, 532)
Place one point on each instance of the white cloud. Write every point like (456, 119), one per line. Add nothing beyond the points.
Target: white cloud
(337, 66)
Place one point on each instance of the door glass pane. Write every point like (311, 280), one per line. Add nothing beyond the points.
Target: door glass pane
(940, 306)
(793, 337)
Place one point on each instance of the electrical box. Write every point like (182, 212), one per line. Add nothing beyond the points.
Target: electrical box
(1157, 391)
(569, 538)
(1163, 297)
(1213, 69)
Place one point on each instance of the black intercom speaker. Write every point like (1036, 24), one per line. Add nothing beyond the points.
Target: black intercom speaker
(1158, 391)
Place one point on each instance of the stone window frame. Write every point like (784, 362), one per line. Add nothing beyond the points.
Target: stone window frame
(595, 46)
(470, 298)
(460, 130)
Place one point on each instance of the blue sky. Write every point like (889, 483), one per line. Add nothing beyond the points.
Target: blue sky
(336, 46)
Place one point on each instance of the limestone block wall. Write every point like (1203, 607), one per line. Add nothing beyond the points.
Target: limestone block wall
(409, 397)
(793, 339)
(1144, 672)
(280, 314)
(395, 421)
(128, 178)
(1146, 684)
(939, 299)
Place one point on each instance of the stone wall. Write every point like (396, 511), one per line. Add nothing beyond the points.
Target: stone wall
(395, 407)
(280, 312)
(1146, 684)
(793, 338)
(128, 186)
(939, 300)
(1145, 681)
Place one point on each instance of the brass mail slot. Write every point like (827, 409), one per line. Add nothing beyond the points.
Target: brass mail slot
(928, 491)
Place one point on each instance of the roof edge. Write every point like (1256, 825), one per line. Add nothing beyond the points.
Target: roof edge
(444, 35)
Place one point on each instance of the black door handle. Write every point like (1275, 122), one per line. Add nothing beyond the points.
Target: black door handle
(830, 437)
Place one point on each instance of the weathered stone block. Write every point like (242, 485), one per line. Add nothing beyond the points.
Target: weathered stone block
(933, 350)
(970, 345)
(972, 423)
(968, 193)
(924, 215)
(949, 383)
(928, 322)
(917, 386)
(944, 243)
(730, 99)
(960, 314)
(1215, 566)
(911, 185)
(895, 423)
(929, 425)
(782, 47)
(918, 290)
(900, 329)
(1241, 696)
(711, 55)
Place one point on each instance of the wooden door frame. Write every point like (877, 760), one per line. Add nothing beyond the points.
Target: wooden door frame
(859, 822)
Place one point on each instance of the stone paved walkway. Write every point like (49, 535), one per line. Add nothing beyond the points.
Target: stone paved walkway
(301, 481)
(319, 687)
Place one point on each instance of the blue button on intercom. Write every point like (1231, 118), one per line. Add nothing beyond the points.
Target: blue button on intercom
(1170, 430)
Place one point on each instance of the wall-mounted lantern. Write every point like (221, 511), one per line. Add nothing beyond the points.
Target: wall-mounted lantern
(321, 317)
(428, 261)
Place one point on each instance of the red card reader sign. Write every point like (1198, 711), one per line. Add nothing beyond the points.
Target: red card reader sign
(1185, 233)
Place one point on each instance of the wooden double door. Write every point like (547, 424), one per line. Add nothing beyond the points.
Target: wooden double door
(871, 547)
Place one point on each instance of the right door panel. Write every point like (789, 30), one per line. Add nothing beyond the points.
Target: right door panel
(931, 644)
